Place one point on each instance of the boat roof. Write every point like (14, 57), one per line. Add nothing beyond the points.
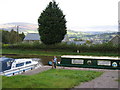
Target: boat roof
(22, 60)
(90, 57)
(5, 59)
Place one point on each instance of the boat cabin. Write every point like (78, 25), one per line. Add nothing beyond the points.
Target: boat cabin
(90, 62)
(10, 66)
(5, 63)
(20, 63)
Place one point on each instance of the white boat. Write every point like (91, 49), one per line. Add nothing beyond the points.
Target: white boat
(10, 66)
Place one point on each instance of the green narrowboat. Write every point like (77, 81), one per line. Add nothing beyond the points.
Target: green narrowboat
(90, 62)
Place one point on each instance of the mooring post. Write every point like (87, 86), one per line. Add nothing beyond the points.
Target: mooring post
(78, 51)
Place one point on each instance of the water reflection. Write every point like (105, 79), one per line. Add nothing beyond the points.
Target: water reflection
(43, 60)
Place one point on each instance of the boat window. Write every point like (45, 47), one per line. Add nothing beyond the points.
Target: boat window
(28, 62)
(19, 64)
(12, 60)
(102, 62)
(8, 63)
(77, 61)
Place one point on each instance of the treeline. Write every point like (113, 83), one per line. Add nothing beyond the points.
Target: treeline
(11, 37)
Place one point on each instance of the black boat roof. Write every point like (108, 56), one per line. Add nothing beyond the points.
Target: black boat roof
(4, 59)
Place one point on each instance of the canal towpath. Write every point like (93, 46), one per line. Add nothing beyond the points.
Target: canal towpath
(38, 70)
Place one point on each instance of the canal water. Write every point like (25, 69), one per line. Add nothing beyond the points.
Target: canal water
(43, 60)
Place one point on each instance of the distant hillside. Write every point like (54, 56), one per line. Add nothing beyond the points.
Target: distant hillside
(32, 28)
(77, 34)
(23, 27)
(105, 36)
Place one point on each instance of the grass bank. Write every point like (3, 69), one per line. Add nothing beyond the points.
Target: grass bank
(53, 78)
(37, 48)
(32, 52)
(102, 48)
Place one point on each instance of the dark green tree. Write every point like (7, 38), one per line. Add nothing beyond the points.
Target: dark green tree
(11, 37)
(22, 36)
(5, 36)
(52, 24)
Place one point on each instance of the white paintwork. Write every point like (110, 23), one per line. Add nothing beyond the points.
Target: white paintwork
(90, 57)
(17, 70)
(17, 61)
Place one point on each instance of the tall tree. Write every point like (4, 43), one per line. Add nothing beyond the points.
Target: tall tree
(5, 36)
(13, 38)
(52, 24)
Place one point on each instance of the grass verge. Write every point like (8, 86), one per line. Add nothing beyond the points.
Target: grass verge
(52, 53)
(53, 78)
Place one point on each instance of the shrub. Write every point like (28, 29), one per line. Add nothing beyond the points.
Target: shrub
(106, 47)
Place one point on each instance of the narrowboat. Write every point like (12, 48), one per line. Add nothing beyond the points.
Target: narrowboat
(10, 66)
(90, 62)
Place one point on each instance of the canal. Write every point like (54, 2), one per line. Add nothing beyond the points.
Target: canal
(43, 60)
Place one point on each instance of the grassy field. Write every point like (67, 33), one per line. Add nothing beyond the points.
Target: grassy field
(51, 53)
(53, 78)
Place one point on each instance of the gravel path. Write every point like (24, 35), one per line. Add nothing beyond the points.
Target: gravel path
(106, 80)
(38, 70)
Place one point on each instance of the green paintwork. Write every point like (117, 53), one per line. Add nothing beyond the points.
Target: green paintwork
(67, 62)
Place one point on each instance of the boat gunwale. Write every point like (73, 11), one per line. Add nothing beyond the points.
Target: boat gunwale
(90, 57)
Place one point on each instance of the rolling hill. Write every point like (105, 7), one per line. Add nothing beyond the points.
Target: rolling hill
(32, 28)
(23, 27)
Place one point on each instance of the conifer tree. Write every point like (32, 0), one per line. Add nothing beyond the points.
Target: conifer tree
(52, 24)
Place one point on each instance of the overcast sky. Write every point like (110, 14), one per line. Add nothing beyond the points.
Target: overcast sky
(80, 14)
